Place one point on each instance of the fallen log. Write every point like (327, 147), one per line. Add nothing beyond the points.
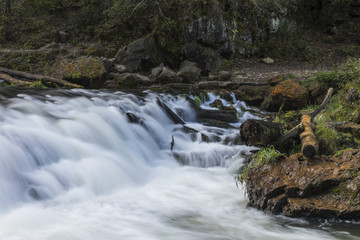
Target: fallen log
(309, 144)
(259, 133)
(7, 78)
(176, 119)
(42, 79)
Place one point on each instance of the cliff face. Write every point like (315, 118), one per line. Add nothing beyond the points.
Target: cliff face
(327, 187)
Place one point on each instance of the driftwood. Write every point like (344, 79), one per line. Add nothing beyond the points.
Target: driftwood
(43, 79)
(259, 134)
(7, 78)
(176, 119)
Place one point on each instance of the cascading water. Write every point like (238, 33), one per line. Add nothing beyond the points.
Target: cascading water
(74, 167)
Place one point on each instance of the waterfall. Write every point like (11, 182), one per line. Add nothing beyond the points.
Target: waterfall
(75, 166)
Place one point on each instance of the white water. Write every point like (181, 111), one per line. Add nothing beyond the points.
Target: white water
(72, 167)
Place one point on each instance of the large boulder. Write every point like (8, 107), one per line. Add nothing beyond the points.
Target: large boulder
(140, 55)
(131, 80)
(207, 59)
(289, 94)
(189, 71)
(88, 72)
(168, 76)
(327, 187)
(213, 31)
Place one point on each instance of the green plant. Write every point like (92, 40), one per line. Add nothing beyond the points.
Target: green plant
(38, 84)
(264, 156)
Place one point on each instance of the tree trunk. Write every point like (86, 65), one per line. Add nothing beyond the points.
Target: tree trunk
(43, 79)
(309, 144)
(259, 133)
(11, 80)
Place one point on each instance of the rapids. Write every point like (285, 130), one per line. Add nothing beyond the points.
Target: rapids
(73, 167)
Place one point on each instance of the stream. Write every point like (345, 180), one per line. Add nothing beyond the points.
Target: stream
(73, 167)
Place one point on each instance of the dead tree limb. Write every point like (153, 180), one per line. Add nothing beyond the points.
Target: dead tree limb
(323, 104)
(309, 144)
(258, 133)
(7, 78)
(43, 79)
(176, 119)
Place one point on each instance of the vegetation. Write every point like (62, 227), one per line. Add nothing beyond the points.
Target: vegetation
(264, 156)
(341, 108)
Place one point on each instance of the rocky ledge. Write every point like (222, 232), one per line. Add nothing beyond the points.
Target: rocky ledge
(326, 187)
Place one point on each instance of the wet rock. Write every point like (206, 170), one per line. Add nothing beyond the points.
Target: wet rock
(189, 71)
(220, 115)
(131, 80)
(327, 187)
(168, 76)
(208, 60)
(217, 103)
(89, 72)
(289, 94)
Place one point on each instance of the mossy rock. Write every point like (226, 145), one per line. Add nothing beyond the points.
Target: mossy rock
(89, 72)
(290, 94)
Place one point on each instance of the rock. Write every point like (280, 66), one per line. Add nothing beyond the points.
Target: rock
(267, 60)
(217, 103)
(351, 96)
(327, 187)
(140, 55)
(168, 76)
(96, 50)
(89, 72)
(155, 72)
(131, 80)
(220, 115)
(208, 85)
(275, 80)
(315, 89)
(224, 75)
(119, 68)
(211, 31)
(189, 71)
(289, 94)
(206, 58)
(252, 95)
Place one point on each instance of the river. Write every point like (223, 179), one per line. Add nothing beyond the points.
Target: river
(73, 167)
